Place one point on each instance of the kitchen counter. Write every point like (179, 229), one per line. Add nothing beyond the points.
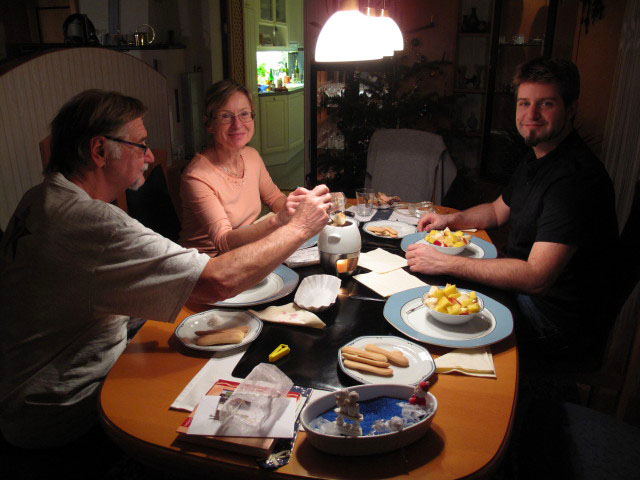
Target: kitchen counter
(291, 88)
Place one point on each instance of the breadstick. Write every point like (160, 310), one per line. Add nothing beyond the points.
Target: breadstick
(385, 372)
(395, 357)
(243, 328)
(356, 358)
(220, 338)
(363, 353)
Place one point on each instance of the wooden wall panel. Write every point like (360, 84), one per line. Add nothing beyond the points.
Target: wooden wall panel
(32, 93)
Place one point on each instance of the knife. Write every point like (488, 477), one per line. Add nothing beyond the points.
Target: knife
(360, 297)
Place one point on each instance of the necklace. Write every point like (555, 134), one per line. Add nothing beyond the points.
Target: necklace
(235, 173)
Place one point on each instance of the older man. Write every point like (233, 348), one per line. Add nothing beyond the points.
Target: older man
(74, 268)
(560, 205)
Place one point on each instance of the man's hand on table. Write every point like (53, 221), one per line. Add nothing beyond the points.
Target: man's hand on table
(432, 221)
(422, 258)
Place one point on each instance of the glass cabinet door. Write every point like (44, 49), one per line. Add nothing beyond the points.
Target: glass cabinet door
(266, 10)
(281, 11)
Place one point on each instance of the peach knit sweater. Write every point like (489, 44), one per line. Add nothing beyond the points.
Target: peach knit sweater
(214, 203)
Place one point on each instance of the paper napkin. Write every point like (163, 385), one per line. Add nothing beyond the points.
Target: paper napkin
(477, 362)
(304, 257)
(398, 217)
(386, 284)
(221, 364)
(354, 209)
(291, 314)
(381, 261)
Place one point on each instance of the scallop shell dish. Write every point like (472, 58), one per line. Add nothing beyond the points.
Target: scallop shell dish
(317, 292)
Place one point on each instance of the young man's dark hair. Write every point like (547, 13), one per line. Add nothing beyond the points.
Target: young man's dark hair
(563, 73)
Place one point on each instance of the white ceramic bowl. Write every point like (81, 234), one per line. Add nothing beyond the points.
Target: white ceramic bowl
(452, 319)
(366, 445)
(317, 292)
(447, 250)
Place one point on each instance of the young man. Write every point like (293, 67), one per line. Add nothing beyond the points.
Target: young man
(561, 209)
(74, 268)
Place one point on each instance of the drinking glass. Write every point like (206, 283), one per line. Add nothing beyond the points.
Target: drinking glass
(337, 202)
(364, 201)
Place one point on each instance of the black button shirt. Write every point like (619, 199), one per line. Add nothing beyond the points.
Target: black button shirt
(566, 197)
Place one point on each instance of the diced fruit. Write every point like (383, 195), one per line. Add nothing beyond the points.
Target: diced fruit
(454, 309)
(450, 300)
(449, 289)
(443, 302)
(447, 238)
(474, 308)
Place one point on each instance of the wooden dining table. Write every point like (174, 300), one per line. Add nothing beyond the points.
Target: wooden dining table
(467, 439)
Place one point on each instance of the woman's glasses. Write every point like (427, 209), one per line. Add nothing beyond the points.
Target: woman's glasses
(226, 118)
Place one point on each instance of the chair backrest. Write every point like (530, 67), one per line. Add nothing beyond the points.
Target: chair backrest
(621, 360)
(411, 164)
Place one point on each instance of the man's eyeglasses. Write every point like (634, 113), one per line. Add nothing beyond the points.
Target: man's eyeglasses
(139, 145)
(245, 117)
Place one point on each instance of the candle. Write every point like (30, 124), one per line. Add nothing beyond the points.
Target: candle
(342, 265)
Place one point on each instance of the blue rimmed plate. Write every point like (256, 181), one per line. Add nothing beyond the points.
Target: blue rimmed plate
(493, 324)
(279, 283)
(312, 242)
(478, 248)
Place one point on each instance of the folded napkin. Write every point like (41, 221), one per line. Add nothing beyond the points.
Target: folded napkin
(477, 362)
(354, 209)
(291, 314)
(398, 217)
(381, 261)
(386, 284)
(304, 257)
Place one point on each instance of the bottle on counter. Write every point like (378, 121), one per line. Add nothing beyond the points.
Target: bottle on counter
(271, 76)
(296, 73)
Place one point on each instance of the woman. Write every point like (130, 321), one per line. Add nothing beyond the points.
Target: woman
(223, 188)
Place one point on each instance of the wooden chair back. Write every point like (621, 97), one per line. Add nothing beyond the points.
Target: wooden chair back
(616, 386)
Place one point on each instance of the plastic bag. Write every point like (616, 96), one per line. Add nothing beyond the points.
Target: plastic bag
(258, 401)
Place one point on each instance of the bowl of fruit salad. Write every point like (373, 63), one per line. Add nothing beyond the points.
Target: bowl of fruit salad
(446, 241)
(452, 306)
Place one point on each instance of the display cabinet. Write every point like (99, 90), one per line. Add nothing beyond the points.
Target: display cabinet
(494, 36)
(525, 31)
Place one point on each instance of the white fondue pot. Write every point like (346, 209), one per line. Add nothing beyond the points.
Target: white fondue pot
(339, 248)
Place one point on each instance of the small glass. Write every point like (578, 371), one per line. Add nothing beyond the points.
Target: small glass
(364, 201)
(337, 202)
(414, 209)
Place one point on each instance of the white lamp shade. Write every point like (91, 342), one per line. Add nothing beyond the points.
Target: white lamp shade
(391, 33)
(349, 36)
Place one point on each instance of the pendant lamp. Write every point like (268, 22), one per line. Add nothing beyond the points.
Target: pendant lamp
(349, 36)
(392, 33)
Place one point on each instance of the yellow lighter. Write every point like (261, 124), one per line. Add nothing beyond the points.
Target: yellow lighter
(279, 352)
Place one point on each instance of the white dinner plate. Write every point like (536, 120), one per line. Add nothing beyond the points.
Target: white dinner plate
(478, 248)
(218, 319)
(421, 364)
(402, 228)
(493, 324)
(279, 283)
